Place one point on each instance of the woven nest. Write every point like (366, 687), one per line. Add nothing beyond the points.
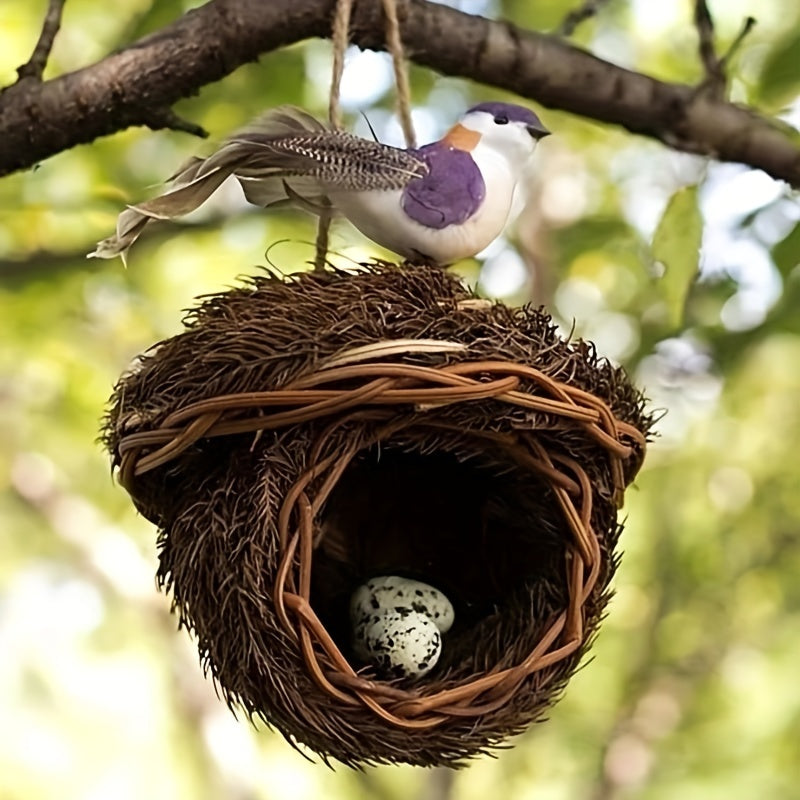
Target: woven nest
(306, 433)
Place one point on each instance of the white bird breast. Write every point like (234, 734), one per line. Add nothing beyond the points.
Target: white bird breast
(398, 624)
(379, 216)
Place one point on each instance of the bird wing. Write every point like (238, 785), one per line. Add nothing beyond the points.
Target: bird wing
(284, 155)
(451, 192)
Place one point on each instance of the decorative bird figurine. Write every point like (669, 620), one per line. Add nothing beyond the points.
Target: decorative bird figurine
(441, 202)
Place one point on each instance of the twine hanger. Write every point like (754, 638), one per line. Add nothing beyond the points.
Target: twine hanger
(340, 36)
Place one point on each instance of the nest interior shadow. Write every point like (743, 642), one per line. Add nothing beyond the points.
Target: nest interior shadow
(463, 526)
(306, 433)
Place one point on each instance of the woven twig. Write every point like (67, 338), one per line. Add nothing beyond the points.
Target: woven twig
(347, 389)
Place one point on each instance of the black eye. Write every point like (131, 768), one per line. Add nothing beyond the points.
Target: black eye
(501, 119)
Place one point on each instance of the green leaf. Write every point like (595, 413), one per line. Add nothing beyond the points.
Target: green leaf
(786, 253)
(676, 245)
(780, 78)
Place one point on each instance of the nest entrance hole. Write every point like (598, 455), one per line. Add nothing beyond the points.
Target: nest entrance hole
(483, 533)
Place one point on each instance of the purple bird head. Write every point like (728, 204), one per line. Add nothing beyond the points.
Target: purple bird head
(503, 113)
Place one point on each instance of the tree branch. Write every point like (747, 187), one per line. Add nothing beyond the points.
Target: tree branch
(34, 68)
(716, 79)
(42, 264)
(158, 118)
(587, 10)
(747, 26)
(715, 75)
(211, 41)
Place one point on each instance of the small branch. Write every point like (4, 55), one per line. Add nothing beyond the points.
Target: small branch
(716, 68)
(748, 25)
(715, 80)
(38, 60)
(165, 117)
(41, 264)
(587, 10)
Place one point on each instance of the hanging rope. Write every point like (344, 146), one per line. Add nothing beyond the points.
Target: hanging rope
(340, 35)
(394, 42)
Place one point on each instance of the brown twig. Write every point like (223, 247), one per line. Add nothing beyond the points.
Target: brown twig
(714, 80)
(44, 263)
(34, 68)
(747, 26)
(587, 10)
(164, 117)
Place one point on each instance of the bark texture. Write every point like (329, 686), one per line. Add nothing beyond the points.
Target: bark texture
(139, 84)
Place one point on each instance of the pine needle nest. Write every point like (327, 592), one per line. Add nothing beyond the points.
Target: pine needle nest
(305, 433)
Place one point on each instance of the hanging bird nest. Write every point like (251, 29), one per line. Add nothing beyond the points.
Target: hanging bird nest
(306, 433)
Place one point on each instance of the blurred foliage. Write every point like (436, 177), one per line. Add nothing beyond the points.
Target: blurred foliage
(676, 248)
(780, 78)
(692, 691)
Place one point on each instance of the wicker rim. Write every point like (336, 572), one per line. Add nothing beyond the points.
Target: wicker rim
(374, 389)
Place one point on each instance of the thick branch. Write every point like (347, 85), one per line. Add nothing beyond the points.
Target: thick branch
(208, 43)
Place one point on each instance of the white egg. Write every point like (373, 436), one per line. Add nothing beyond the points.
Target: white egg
(402, 594)
(401, 644)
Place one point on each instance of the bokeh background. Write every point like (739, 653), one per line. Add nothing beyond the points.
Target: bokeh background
(693, 688)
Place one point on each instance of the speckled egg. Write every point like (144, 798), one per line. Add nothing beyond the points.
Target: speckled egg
(401, 594)
(401, 644)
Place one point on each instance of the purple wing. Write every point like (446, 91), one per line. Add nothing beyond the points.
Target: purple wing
(450, 193)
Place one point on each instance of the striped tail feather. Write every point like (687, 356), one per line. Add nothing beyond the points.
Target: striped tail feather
(284, 155)
(248, 154)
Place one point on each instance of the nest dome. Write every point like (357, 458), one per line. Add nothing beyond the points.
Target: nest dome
(306, 433)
